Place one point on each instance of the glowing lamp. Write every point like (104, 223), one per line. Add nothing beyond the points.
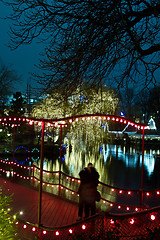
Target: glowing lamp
(147, 194)
(39, 124)
(57, 233)
(24, 226)
(120, 191)
(83, 227)
(83, 118)
(132, 221)
(153, 217)
(119, 207)
(112, 222)
(112, 189)
(127, 208)
(129, 193)
(44, 232)
(158, 192)
(76, 119)
(33, 229)
(70, 231)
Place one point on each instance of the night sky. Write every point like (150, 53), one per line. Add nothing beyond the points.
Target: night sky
(21, 60)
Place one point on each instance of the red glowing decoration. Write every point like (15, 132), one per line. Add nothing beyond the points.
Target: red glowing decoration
(132, 221)
(83, 227)
(153, 217)
(70, 231)
(111, 221)
(57, 233)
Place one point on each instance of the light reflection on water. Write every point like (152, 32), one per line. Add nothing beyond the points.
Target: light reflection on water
(117, 166)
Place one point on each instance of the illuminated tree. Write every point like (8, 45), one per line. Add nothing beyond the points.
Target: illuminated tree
(82, 102)
(95, 41)
(7, 221)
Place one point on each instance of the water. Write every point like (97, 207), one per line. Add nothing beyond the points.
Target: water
(117, 166)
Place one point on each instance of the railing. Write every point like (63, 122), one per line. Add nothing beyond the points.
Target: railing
(104, 225)
(141, 225)
(113, 199)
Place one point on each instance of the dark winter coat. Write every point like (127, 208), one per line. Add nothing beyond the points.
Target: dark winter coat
(88, 186)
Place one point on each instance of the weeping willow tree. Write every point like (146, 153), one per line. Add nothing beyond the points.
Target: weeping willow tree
(84, 101)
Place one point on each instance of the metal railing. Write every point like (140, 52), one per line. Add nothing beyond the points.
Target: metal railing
(104, 225)
(58, 183)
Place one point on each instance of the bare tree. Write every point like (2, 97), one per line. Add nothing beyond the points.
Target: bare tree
(92, 40)
(8, 78)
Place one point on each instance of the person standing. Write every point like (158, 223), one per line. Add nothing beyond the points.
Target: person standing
(87, 191)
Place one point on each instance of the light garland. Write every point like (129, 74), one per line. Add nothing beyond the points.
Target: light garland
(114, 223)
(69, 120)
(72, 180)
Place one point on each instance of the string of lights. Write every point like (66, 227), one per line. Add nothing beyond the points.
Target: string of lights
(32, 173)
(13, 121)
(128, 226)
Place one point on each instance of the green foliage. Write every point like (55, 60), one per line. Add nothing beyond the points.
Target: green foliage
(7, 221)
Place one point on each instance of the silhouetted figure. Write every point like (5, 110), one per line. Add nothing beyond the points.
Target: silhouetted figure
(88, 191)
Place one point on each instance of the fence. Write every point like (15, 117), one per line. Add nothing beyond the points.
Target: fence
(59, 183)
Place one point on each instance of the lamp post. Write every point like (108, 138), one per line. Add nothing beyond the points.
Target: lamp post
(142, 170)
(41, 178)
(60, 159)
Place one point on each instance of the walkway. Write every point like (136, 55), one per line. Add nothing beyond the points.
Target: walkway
(55, 211)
